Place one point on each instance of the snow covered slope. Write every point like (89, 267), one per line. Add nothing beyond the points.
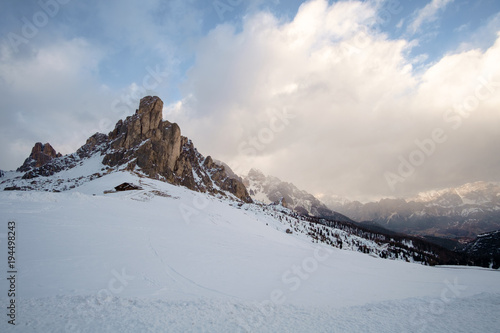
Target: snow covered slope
(167, 259)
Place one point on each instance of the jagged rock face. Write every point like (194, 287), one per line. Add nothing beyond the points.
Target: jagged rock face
(157, 148)
(144, 143)
(154, 144)
(40, 155)
(230, 173)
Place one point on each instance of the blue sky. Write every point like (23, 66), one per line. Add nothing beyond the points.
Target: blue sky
(360, 77)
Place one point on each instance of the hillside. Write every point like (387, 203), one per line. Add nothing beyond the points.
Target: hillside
(485, 249)
(166, 258)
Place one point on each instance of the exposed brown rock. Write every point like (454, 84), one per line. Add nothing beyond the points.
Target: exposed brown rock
(144, 143)
(147, 143)
(40, 155)
(155, 145)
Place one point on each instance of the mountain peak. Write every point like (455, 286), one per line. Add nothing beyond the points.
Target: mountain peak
(256, 174)
(151, 110)
(269, 189)
(144, 143)
(150, 104)
(40, 155)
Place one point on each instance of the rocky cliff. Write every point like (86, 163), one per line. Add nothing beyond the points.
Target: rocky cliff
(40, 155)
(145, 144)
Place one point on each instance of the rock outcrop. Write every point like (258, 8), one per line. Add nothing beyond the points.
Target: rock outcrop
(146, 144)
(153, 144)
(40, 155)
(155, 147)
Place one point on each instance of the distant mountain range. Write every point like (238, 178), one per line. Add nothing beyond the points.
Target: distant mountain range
(462, 213)
(269, 189)
(459, 213)
(451, 218)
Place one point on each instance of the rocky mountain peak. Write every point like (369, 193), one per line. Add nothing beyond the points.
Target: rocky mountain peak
(145, 144)
(155, 147)
(256, 174)
(151, 112)
(40, 155)
(153, 144)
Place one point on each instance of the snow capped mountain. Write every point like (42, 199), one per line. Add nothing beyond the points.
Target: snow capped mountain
(137, 231)
(461, 212)
(479, 193)
(144, 144)
(269, 189)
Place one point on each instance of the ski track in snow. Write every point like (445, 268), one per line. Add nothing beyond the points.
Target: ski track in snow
(137, 262)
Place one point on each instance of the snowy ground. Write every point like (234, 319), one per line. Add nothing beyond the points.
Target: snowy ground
(166, 259)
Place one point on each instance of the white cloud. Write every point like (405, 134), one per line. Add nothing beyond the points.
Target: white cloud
(483, 36)
(52, 95)
(322, 101)
(427, 14)
(332, 110)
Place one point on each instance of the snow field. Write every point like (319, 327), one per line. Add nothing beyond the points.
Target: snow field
(166, 259)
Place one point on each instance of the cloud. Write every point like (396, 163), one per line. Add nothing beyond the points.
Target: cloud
(52, 95)
(483, 36)
(324, 100)
(327, 103)
(85, 68)
(427, 14)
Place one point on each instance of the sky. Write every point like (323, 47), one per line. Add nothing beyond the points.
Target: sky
(361, 99)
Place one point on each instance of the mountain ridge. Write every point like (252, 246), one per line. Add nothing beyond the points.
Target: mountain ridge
(462, 212)
(141, 143)
(270, 189)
